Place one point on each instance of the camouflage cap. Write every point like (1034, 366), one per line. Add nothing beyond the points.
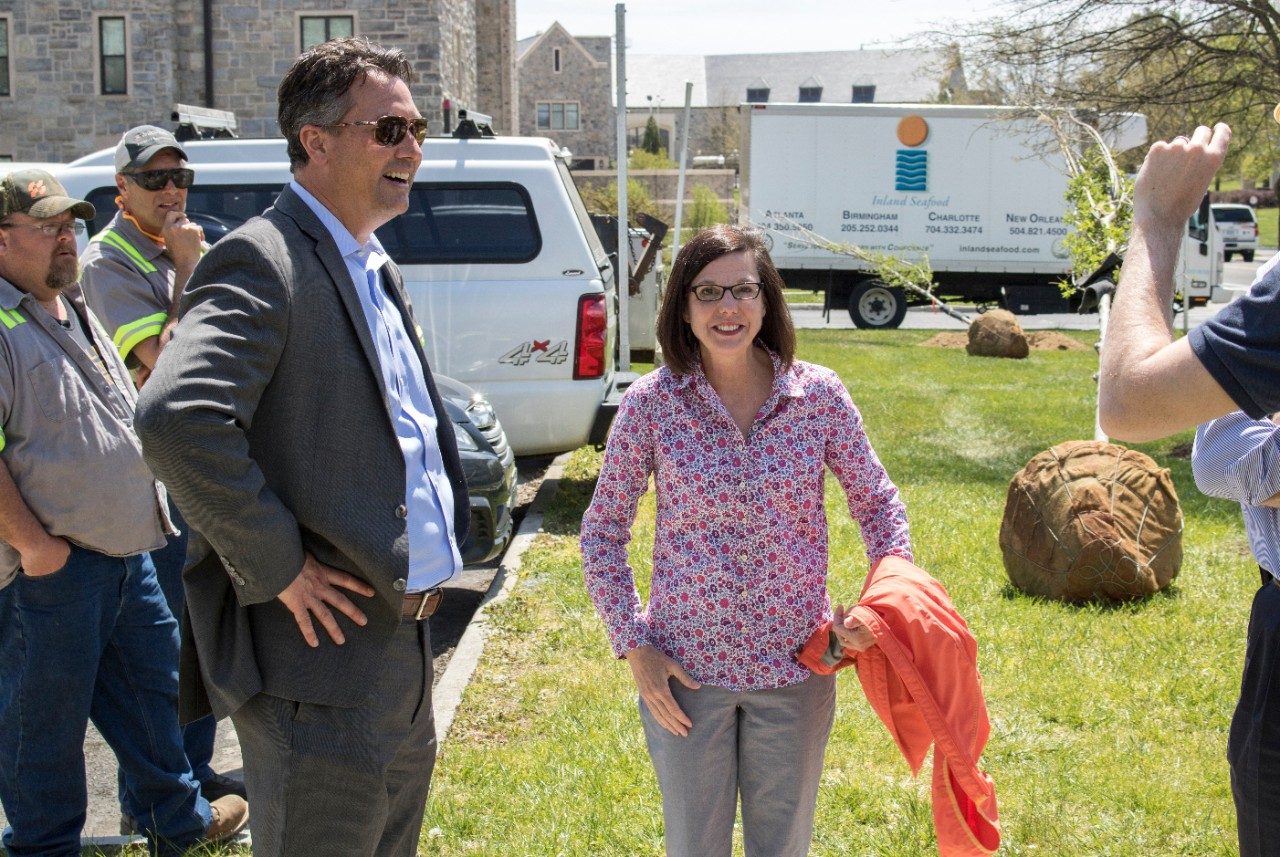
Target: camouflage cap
(38, 194)
(141, 144)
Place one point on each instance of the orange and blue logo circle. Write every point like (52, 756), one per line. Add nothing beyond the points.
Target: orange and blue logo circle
(912, 169)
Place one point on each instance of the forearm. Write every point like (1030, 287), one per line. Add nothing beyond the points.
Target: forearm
(148, 351)
(1152, 385)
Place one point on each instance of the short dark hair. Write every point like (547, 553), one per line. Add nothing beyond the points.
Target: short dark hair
(679, 346)
(316, 88)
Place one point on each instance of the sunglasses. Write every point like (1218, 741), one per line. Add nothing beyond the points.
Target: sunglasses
(390, 130)
(181, 177)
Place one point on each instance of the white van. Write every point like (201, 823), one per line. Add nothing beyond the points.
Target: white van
(509, 283)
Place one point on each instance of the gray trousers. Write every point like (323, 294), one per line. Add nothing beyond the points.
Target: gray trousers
(765, 745)
(335, 781)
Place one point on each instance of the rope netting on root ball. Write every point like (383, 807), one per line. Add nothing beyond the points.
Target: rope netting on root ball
(1089, 520)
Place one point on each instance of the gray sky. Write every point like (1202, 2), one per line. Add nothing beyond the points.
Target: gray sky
(752, 26)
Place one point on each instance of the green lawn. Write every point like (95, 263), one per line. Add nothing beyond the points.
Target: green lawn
(802, 296)
(1108, 725)
(1267, 226)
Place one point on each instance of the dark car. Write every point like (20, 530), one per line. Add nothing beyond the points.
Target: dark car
(489, 466)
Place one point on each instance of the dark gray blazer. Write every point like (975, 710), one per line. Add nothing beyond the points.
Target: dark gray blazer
(268, 421)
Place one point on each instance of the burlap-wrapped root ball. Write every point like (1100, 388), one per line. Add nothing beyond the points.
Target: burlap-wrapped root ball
(1088, 520)
(996, 333)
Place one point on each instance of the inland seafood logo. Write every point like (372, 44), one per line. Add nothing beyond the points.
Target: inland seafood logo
(912, 171)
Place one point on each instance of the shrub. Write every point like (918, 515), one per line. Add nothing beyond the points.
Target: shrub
(706, 209)
(642, 160)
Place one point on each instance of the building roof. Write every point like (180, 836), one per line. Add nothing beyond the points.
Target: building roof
(908, 75)
(663, 76)
(524, 44)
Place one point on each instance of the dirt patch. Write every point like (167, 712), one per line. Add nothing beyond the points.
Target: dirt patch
(947, 339)
(1037, 340)
(1052, 340)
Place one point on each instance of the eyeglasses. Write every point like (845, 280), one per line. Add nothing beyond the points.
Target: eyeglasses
(390, 130)
(50, 230)
(711, 292)
(182, 177)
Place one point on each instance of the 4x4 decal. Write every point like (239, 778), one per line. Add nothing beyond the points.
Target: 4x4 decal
(539, 351)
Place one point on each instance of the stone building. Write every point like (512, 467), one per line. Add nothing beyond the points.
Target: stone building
(74, 75)
(566, 93)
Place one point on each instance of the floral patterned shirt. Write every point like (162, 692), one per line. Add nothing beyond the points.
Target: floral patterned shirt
(740, 549)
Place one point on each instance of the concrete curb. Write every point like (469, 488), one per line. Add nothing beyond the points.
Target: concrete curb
(447, 695)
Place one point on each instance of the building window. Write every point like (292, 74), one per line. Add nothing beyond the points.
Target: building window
(5, 84)
(113, 69)
(557, 116)
(757, 94)
(810, 94)
(555, 59)
(864, 94)
(318, 29)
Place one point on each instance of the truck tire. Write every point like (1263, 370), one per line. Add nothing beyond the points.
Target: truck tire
(875, 306)
(1247, 254)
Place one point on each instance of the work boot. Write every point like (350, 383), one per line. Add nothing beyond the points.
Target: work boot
(230, 815)
(219, 785)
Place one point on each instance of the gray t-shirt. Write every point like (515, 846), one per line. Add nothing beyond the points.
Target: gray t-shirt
(66, 433)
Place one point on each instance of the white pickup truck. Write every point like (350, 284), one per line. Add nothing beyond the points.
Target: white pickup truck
(512, 290)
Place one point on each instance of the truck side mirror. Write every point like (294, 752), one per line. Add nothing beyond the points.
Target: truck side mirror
(1204, 248)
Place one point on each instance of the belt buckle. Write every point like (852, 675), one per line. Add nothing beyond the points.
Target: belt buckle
(427, 597)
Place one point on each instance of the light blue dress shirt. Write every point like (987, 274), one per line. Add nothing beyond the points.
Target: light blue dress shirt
(1238, 458)
(433, 547)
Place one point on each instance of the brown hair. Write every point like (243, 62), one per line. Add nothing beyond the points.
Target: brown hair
(315, 90)
(679, 346)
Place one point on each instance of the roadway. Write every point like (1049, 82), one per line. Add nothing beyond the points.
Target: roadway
(1236, 275)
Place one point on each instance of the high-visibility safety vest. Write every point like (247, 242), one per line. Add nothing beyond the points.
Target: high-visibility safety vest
(116, 240)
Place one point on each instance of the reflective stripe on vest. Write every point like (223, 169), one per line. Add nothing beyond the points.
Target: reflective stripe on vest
(116, 240)
(129, 335)
(11, 319)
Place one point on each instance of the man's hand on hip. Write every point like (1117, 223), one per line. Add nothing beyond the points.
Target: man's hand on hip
(316, 590)
(1175, 176)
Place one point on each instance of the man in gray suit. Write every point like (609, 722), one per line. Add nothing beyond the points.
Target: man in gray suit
(296, 423)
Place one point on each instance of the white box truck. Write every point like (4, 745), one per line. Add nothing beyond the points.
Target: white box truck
(977, 189)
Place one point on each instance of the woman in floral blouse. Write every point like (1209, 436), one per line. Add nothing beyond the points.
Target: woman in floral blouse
(736, 433)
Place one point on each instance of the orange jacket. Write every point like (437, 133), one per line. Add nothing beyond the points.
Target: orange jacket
(922, 679)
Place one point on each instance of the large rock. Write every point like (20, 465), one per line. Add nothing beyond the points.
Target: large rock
(996, 333)
(1088, 520)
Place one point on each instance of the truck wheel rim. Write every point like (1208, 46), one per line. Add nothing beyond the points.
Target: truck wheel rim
(877, 305)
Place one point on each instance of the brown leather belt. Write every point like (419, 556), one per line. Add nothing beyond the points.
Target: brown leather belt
(420, 605)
